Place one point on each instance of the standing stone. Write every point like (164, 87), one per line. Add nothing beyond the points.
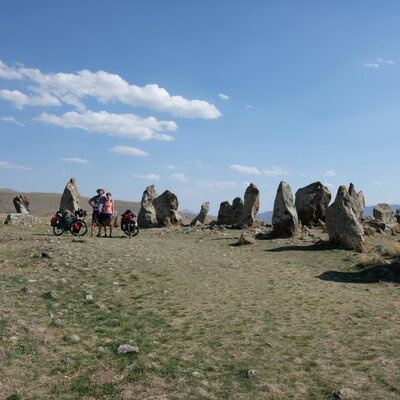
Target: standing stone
(357, 202)
(250, 207)
(69, 203)
(344, 228)
(167, 209)
(201, 217)
(397, 216)
(237, 210)
(225, 213)
(21, 204)
(284, 218)
(383, 212)
(312, 202)
(147, 217)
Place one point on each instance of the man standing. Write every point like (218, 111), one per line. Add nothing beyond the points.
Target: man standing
(97, 203)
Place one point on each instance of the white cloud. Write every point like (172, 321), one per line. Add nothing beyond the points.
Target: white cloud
(72, 88)
(75, 160)
(6, 164)
(371, 65)
(330, 173)
(215, 185)
(249, 106)
(151, 177)
(170, 166)
(223, 96)
(244, 169)
(20, 99)
(275, 171)
(128, 150)
(124, 125)
(12, 120)
(179, 177)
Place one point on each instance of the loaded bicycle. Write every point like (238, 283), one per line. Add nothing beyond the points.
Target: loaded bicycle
(76, 224)
(129, 224)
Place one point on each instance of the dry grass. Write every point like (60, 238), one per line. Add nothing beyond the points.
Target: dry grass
(203, 312)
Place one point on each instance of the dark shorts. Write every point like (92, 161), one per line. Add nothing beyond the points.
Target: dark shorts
(107, 218)
(96, 217)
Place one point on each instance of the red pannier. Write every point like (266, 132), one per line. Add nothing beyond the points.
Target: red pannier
(54, 221)
(76, 227)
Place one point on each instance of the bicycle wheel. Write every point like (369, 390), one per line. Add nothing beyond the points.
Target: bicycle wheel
(134, 230)
(81, 231)
(58, 230)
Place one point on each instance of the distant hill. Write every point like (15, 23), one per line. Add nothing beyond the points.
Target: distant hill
(45, 204)
(267, 215)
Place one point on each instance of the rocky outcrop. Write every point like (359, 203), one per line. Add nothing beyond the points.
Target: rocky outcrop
(250, 207)
(312, 202)
(69, 203)
(167, 209)
(147, 217)
(357, 202)
(343, 224)
(284, 218)
(202, 216)
(383, 212)
(23, 219)
(21, 204)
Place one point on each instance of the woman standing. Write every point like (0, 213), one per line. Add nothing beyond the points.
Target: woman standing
(108, 212)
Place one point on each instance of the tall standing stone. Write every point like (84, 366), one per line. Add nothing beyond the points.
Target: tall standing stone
(284, 218)
(237, 211)
(251, 206)
(201, 217)
(21, 204)
(147, 217)
(384, 213)
(69, 203)
(344, 228)
(312, 202)
(167, 209)
(357, 201)
(225, 213)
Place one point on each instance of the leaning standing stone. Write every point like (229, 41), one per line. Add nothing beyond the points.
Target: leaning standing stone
(147, 217)
(70, 198)
(344, 229)
(284, 218)
(201, 217)
(250, 207)
(21, 204)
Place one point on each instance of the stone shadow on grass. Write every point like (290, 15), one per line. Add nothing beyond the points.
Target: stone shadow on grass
(378, 273)
(318, 246)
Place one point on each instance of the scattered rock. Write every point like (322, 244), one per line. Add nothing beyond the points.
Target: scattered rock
(26, 290)
(67, 361)
(246, 238)
(167, 209)
(250, 207)
(201, 217)
(45, 255)
(72, 338)
(311, 203)
(284, 218)
(21, 219)
(51, 295)
(126, 394)
(69, 202)
(344, 229)
(251, 373)
(345, 393)
(147, 217)
(56, 322)
(197, 374)
(133, 366)
(89, 297)
(383, 212)
(127, 348)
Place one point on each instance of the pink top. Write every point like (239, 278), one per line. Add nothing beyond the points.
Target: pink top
(108, 207)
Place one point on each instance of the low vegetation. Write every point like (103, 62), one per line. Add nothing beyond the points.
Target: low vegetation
(280, 319)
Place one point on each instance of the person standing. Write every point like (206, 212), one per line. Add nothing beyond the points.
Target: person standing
(97, 203)
(108, 213)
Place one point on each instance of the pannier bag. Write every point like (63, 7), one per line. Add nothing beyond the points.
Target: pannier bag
(128, 215)
(76, 227)
(54, 221)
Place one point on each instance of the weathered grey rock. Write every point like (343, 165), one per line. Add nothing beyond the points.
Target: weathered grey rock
(237, 210)
(225, 213)
(345, 394)
(147, 217)
(312, 202)
(21, 204)
(372, 225)
(21, 219)
(167, 209)
(397, 215)
(246, 238)
(284, 218)
(357, 202)
(69, 203)
(383, 212)
(127, 348)
(250, 207)
(344, 228)
(201, 217)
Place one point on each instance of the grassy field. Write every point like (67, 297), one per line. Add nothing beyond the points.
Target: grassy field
(308, 320)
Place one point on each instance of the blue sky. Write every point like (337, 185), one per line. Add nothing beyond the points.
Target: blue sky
(200, 98)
